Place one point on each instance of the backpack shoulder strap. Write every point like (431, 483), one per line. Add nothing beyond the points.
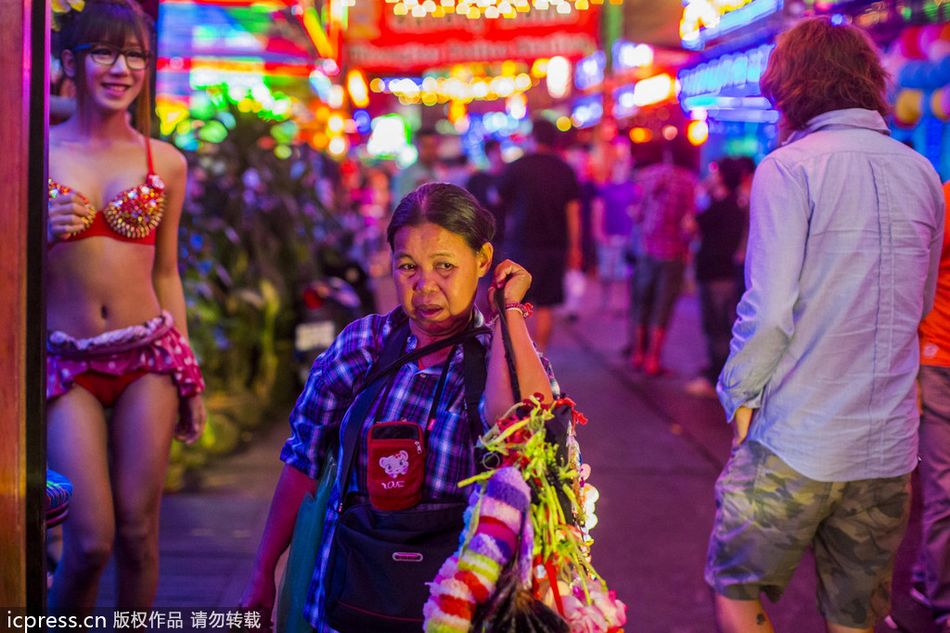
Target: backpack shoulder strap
(390, 360)
(474, 373)
(352, 424)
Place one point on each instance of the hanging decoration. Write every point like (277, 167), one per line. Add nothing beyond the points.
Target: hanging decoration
(461, 85)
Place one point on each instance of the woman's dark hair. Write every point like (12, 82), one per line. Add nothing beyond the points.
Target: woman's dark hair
(818, 67)
(448, 206)
(107, 22)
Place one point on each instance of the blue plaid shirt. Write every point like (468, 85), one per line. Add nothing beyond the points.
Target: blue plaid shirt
(337, 375)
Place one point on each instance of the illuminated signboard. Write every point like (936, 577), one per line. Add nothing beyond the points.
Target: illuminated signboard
(739, 72)
(380, 42)
(654, 89)
(727, 88)
(589, 71)
(705, 20)
(629, 99)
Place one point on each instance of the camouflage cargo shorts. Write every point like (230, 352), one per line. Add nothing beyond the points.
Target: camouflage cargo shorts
(767, 514)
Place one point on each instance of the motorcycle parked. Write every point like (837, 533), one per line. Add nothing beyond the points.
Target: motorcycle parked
(327, 306)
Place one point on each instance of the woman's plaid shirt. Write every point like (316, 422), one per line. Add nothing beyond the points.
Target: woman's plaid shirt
(336, 376)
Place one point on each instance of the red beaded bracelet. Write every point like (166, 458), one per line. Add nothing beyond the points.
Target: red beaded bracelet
(526, 309)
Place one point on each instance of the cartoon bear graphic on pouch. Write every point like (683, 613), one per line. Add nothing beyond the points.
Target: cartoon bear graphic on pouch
(395, 465)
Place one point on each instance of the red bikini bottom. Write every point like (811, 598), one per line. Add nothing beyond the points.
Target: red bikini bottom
(105, 387)
(108, 363)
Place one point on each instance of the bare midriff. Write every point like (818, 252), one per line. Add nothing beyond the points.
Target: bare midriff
(99, 284)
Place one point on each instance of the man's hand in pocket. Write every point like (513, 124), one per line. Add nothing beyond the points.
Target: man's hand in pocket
(741, 423)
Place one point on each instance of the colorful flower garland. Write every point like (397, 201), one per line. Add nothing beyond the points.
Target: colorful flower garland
(494, 521)
(554, 552)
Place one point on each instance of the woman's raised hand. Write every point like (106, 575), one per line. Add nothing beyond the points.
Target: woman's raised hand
(513, 279)
(68, 213)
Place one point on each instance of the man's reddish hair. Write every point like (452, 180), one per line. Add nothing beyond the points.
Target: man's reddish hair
(818, 67)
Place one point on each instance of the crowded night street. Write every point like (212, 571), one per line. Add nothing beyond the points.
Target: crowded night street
(656, 454)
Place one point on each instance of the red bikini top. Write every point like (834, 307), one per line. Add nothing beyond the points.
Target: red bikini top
(132, 215)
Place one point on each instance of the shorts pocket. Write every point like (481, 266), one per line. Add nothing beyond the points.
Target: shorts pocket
(787, 501)
(736, 485)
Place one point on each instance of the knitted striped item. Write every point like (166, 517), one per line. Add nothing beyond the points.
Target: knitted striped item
(468, 578)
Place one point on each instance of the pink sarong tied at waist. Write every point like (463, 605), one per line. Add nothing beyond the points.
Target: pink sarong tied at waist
(155, 346)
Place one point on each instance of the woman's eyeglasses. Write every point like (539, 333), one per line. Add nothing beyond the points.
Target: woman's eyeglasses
(105, 55)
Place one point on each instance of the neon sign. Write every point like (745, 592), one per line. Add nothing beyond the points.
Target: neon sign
(705, 20)
(624, 102)
(589, 72)
(654, 90)
(729, 85)
(629, 99)
(739, 72)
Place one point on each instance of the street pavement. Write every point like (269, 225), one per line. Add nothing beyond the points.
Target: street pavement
(655, 453)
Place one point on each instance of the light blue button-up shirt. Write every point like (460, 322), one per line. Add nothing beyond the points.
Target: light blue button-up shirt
(844, 242)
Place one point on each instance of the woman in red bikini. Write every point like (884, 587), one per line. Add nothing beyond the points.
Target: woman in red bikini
(116, 312)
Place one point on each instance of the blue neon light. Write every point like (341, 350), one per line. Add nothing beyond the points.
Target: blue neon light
(588, 110)
(727, 88)
(625, 102)
(738, 72)
(589, 72)
(731, 21)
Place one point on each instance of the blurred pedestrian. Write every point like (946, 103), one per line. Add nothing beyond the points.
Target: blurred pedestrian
(844, 246)
(457, 169)
(581, 160)
(721, 226)
(484, 183)
(542, 230)
(747, 166)
(612, 221)
(932, 572)
(664, 217)
(426, 168)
